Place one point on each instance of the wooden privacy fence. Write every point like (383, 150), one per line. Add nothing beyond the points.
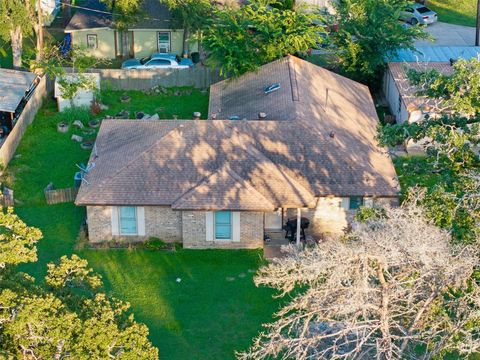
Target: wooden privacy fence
(144, 79)
(57, 196)
(28, 114)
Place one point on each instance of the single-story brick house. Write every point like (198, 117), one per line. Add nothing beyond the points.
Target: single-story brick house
(224, 182)
(93, 28)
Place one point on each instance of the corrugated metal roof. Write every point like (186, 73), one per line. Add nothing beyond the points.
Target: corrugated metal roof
(436, 54)
(13, 86)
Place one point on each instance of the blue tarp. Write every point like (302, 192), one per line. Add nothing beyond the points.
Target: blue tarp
(436, 54)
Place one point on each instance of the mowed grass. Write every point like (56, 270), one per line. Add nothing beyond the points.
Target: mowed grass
(214, 310)
(460, 12)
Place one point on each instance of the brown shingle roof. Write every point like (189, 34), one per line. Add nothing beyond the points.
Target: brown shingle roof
(247, 165)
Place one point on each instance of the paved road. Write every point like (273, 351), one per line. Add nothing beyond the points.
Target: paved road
(449, 35)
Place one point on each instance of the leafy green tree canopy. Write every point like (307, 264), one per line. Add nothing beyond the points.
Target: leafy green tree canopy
(368, 31)
(67, 316)
(457, 92)
(242, 39)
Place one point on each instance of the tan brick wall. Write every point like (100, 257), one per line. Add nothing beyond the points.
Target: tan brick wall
(194, 237)
(160, 221)
(164, 223)
(328, 217)
(99, 220)
(170, 225)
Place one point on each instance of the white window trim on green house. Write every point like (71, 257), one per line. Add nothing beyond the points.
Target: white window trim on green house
(116, 221)
(162, 45)
(210, 226)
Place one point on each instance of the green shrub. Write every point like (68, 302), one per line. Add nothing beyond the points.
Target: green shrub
(154, 243)
(369, 213)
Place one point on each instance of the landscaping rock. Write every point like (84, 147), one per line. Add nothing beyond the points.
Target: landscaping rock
(241, 275)
(154, 117)
(77, 138)
(230, 278)
(78, 124)
(62, 127)
(125, 98)
(140, 115)
(104, 107)
(87, 145)
(124, 114)
(94, 124)
(50, 187)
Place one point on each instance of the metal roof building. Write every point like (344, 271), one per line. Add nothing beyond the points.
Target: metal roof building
(14, 86)
(436, 54)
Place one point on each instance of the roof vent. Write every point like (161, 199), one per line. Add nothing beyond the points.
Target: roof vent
(331, 134)
(271, 88)
(234, 117)
(262, 115)
(196, 115)
(213, 116)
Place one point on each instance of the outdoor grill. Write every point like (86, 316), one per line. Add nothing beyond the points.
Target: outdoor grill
(291, 228)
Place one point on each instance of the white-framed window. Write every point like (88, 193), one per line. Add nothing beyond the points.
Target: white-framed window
(223, 225)
(92, 42)
(352, 202)
(127, 220)
(164, 44)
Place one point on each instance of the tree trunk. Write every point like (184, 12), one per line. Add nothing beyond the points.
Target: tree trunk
(186, 47)
(17, 47)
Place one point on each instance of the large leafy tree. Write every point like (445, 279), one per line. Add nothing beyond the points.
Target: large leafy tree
(451, 140)
(456, 92)
(124, 13)
(66, 317)
(242, 39)
(189, 15)
(18, 19)
(369, 30)
(396, 288)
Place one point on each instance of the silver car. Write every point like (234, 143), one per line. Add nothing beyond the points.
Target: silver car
(418, 14)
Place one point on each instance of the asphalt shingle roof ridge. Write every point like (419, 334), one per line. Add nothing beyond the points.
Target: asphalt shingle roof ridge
(142, 153)
(232, 174)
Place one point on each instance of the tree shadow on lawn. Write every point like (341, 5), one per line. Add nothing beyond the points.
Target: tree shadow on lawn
(206, 315)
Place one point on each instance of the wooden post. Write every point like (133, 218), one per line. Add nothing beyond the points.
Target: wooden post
(477, 32)
(299, 225)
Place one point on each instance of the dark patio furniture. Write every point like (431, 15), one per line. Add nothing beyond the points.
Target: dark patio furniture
(291, 228)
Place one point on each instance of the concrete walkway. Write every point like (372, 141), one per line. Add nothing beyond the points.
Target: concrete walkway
(449, 35)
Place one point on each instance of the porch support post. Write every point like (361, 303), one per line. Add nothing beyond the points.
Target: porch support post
(299, 225)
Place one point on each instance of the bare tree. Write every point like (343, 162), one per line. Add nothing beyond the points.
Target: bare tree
(394, 288)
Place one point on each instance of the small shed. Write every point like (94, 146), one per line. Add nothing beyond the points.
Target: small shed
(83, 97)
(16, 87)
(401, 98)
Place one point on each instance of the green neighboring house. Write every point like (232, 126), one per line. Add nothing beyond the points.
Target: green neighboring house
(94, 28)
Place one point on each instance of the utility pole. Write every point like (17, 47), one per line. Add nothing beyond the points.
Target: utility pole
(40, 30)
(477, 33)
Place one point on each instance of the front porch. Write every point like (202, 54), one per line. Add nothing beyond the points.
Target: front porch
(271, 249)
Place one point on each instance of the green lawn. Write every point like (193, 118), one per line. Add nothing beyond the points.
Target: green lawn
(461, 12)
(212, 312)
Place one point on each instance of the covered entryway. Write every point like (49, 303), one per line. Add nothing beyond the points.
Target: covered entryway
(274, 220)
